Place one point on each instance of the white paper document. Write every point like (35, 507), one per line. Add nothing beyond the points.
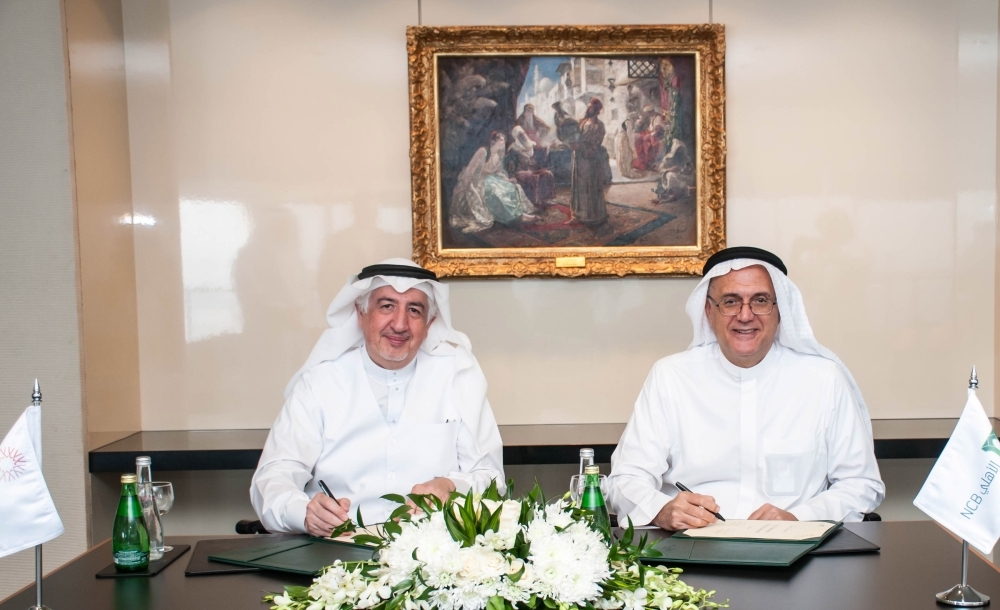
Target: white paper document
(762, 530)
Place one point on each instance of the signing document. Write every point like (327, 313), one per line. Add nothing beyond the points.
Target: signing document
(763, 530)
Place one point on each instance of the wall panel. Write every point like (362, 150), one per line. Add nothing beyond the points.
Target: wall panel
(269, 140)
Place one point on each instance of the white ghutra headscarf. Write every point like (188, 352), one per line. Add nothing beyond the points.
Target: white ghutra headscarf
(794, 331)
(345, 334)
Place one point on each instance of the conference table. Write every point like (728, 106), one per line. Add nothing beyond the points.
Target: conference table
(917, 560)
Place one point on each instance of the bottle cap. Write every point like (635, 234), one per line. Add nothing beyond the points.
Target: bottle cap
(585, 453)
(592, 470)
(128, 478)
(142, 460)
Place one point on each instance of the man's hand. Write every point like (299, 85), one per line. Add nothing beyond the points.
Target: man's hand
(323, 513)
(685, 511)
(769, 512)
(440, 487)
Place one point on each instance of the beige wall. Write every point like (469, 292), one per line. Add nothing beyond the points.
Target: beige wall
(104, 213)
(269, 141)
(39, 322)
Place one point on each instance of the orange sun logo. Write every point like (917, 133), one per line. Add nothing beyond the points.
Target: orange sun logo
(11, 464)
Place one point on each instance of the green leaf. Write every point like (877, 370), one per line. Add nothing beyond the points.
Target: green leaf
(494, 603)
(393, 528)
(492, 492)
(402, 585)
(548, 602)
(525, 517)
(420, 501)
(456, 531)
(399, 512)
(398, 499)
(368, 539)
(395, 602)
(516, 576)
(346, 527)
(494, 522)
(295, 591)
(361, 522)
(484, 518)
(629, 534)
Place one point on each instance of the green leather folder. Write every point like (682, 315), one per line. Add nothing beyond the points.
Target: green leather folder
(680, 548)
(300, 556)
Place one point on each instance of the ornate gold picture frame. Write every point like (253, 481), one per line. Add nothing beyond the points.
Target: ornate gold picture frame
(567, 151)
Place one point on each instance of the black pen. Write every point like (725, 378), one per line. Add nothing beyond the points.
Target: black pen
(679, 486)
(329, 493)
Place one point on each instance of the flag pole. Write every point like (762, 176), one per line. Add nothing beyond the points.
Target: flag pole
(962, 594)
(36, 401)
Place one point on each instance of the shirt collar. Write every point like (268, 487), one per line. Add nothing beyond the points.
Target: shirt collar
(386, 376)
(755, 371)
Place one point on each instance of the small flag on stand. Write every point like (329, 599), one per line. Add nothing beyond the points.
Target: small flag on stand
(29, 515)
(959, 492)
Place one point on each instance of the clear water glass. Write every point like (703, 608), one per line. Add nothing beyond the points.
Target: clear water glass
(578, 481)
(163, 494)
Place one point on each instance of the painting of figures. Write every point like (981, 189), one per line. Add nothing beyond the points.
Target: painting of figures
(568, 156)
(556, 151)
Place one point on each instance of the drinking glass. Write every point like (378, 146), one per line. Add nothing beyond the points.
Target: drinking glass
(163, 494)
(578, 481)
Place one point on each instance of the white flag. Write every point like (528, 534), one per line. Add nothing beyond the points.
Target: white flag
(959, 493)
(29, 515)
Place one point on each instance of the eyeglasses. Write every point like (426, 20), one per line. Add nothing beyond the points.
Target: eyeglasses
(731, 306)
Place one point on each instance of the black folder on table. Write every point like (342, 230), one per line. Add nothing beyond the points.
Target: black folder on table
(299, 556)
(680, 548)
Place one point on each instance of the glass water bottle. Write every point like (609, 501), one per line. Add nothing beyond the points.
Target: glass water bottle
(149, 511)
(586, 459)
(593, 499)
(129, 539)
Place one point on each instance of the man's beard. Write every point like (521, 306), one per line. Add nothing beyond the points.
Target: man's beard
(391, 356)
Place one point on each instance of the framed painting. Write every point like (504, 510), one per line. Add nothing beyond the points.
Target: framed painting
(567, 151)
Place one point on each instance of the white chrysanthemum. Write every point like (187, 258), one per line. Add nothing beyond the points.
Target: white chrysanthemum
(436, 551)
(569, 565)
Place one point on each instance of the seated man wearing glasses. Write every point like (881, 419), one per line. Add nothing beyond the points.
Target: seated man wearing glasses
(756, 418)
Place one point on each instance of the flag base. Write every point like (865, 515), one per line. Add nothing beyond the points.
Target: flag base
(39, 608)
(963, 595)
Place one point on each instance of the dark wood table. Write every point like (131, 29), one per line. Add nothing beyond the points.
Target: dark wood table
(918, 559)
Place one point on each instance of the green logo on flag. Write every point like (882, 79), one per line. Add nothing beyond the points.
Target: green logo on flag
(992, 443)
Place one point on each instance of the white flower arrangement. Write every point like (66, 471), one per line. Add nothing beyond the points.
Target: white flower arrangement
(489, 553)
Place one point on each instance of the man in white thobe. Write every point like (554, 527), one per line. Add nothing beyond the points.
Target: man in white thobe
(756, 418)
(391, 400)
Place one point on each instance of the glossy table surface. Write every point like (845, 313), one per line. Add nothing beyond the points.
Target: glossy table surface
(917, 560)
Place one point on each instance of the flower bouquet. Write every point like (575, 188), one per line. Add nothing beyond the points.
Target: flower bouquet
(490, 553)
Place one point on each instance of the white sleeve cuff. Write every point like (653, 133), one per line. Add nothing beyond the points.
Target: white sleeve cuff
(804, 513)
(462, 484)
(645, 511)
(295, 514)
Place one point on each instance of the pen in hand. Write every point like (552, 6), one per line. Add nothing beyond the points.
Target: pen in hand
(681, 487)
(327, 491)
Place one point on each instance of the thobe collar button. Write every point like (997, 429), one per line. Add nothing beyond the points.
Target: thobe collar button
(385, 376)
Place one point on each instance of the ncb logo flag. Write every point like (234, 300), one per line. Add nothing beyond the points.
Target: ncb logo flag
(959, 492)
(29, 515)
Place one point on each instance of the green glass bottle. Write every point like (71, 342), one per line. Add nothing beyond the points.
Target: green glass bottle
(593, 499)
(129, 538)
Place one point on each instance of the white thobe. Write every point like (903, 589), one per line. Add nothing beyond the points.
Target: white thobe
(388, 386)
(787, 432)
(332, 429)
